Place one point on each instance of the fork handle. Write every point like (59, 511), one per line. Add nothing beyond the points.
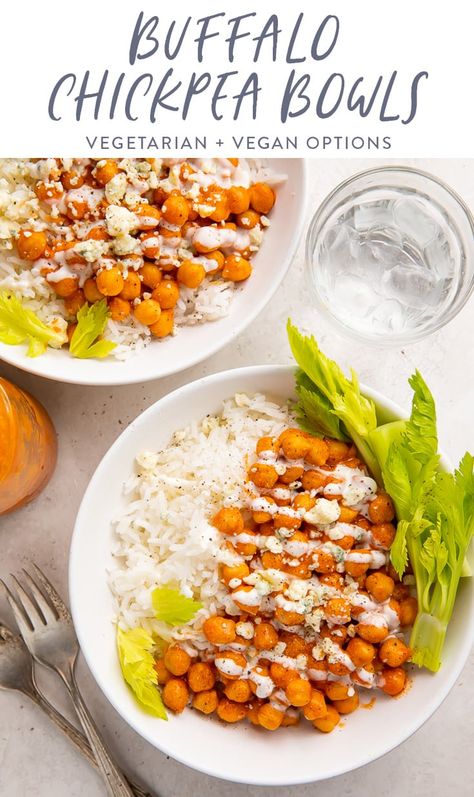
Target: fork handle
(114, 780)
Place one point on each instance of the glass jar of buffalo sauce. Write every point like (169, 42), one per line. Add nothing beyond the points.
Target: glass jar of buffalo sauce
(28, 447)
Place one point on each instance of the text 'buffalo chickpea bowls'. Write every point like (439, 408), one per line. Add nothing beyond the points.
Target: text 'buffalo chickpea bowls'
(268, 556)
(122, 270)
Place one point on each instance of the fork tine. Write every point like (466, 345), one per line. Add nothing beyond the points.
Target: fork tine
(47, 608)
(22, 620)
(54, 596)
(30, 608)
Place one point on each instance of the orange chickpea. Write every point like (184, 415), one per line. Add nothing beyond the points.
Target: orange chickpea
(48, 190)
(131, 287)
(201, 677)
(346, 514)
(316, 708)
(383, 534)
(393, 681)
(238, 199)
(355, 568)
(74, 302)
(119, 309)
(408, 611)
(288, 617)
(318, 452)
(191, 274)
(324, 562)
(147, 312)
(372, 633)
(394, 652)
(247, 608)
(281, 676)
(337, 451)
(160, 196)
(289, 720)
(272, 561)
(31, 245)
(303, 501)
(267, 444)
(312, 480)
(246, 547)
(150, 274)
(91, 291)
(262, 197)
(400, 591)
(229, 520)
(66, 287)
(260, 516)
(175, 210)
(292, 474)
(76, 209)
(248, 219)
(239, 691)
(381, 509)
(348, 705)
(230, 572)
(336, 690)
(269, 717)
(166, 294)
(380, 586)
(72, 180)
(299, 692)
(265, 637)
(110, 281)
(360, 651)
(148, 216)
(327, 723)
(295, 444)
(105, 171)
(176, 660)
(263, 475)
(97, 233)
(150, 245)
(219, 259)
(236, 268)
(338, 610)
(219, 630)
(164, 325)
(162, 674)
(206, 702)
(175, 695)
(228, 711)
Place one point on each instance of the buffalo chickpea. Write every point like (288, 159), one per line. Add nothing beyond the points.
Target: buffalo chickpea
(325, 563)
(175, 695)
(236, 268)
(292, 474)
(110, 281)
(393, 680)
(346, 514)
(71, 180)
(269, 717)
(263, 475)
(148, 217)
(313, 480)
(105, 171)
(176, 660)
(408, 611)
(206, 702)
(175, 210)
(160, 196)
(150, 245)
(336, 690)
(272, 561)
(270, 444)
(318, 452)
(337, 451)
(248, 219)
(219, 258)
(65, 287)
(303, 501)
(394, 652)
(338, 610)
(47, 191)
(262, 197)
(383, 534)
(131, 287)
(191, 274)
(316, 708)
(239, 691)
(166, 294)
(380, 586)
(150, 274)
(250, 607)
(31, 245)
(119, 308)
(164, 326)
(247, 546)
(162, 673)
(294, 443)
(328, 722)
(348, 705)
(97, 233)
(91, 291)
(201, 677)
(372, 633)
(381, 509)
(299, 692)
(265, 637)
(360, 651)
(240, 571)
(229, 711)
(286, 617)
(147, 312)
(238, 199)
(74, 302)
(229, 520)
(281, 676)
(219, 630)
(289, 720)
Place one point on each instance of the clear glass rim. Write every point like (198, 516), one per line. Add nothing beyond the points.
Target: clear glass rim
(412, 336)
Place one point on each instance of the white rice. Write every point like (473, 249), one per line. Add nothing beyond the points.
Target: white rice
(165, 536)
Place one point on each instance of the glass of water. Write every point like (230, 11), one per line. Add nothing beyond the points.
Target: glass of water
(390, 255)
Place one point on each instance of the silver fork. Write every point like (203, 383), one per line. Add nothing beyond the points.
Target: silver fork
(47, 630)
(17, 674)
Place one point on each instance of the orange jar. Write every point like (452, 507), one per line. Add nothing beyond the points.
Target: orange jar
(28, 447)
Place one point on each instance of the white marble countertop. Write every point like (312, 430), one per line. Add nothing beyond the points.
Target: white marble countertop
(34, 759)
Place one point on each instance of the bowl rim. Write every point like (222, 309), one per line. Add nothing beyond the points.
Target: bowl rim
(33, 366)
(402, 338)
(74, 585)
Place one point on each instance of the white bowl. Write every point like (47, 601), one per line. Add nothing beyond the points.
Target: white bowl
(237, 753)
(193, 344)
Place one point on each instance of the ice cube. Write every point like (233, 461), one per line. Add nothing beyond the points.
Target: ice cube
(412, 286)
(415, 221)
(368, 215)
(438, 257)
(353, 296)
(388, 316)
